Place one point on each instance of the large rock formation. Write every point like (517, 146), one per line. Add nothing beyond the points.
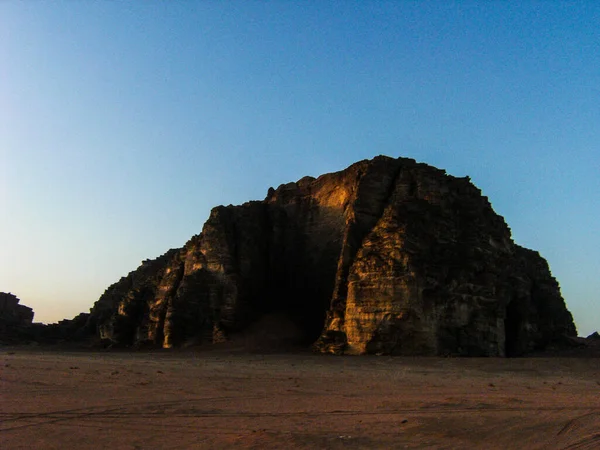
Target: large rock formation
(388, 256)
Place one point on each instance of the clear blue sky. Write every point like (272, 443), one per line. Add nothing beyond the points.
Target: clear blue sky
(123, 123)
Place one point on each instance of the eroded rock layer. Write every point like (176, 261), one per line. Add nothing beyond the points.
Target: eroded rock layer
(388, 256)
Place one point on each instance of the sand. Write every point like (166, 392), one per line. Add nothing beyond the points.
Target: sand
(178, 400)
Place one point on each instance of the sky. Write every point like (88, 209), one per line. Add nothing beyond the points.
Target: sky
(123, 123)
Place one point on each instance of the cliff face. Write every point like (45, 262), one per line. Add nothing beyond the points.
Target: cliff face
(12, 312)
(388, 256)
(15, 319)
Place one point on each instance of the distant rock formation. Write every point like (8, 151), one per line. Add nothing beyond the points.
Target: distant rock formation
(388, 256)
(17, 326)
(15, 319)
(12, 312)
(594, 336)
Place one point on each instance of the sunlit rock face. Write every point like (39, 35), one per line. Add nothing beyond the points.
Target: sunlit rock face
(388, 256)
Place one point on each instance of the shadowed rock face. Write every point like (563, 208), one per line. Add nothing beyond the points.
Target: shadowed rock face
(17, 327)
(12, 312)
(15, 319)
(388, 256)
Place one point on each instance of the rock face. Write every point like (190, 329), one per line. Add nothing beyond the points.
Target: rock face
(387, 256)
(12, 312)
(15, 319)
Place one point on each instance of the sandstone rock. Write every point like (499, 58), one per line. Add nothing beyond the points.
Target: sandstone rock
(387, 256)
(64, 331)
(594, 336)
(15, 319)
(17, 327)
(12, 311)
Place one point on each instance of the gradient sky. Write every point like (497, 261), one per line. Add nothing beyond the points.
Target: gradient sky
(123, 123)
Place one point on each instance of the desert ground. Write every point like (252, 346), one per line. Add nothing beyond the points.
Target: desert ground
(53, 399)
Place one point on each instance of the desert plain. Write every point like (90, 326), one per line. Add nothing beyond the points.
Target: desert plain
(57, 399)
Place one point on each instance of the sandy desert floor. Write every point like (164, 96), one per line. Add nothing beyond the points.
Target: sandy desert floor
(180, 400)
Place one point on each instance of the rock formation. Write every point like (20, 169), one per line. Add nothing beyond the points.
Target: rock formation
(12, 312)
(594, 336)
(387, 256)
(17, 326)
(15, 319)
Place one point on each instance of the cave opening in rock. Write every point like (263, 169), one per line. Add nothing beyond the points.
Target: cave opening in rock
(295, 312)
(512, 329)
(297, 289)
(308, 314)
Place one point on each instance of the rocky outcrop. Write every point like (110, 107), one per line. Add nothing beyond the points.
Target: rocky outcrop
(15, 319)
(17, 326)
(388, 256)
(63, 332)
(12, 312)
